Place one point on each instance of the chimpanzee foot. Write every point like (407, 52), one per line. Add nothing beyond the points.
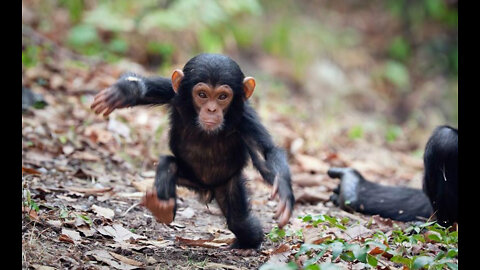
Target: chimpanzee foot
(162, 210)
(346, 193)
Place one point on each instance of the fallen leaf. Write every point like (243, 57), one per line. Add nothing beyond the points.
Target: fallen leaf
(310, 196)
(70, 236)
(55, 223)
(311, 164)
(143, 185)
(105, 257)
(358, 231)
(90, 191)
(119, 233)
(87, 156)
(199, 242)
(211, 265)
(282, 248)
(125, 259)
(104, 212)
(30, 170)
(86, 230)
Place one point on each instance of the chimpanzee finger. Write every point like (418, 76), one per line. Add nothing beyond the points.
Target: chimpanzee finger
(275, 188)
(280, 208)
(285, 217)
(100, 97)
(336, 172)
(100, 108)
(112, 108)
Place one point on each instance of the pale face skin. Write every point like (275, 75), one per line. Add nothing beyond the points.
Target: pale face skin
(211, 104)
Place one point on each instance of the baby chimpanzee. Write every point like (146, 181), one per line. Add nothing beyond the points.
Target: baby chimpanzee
(213, 132)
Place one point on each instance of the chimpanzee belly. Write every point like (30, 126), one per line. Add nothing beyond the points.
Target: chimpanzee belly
(211, 162)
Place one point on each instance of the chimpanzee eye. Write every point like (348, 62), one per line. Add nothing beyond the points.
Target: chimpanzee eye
(222, 97)
(202, 95)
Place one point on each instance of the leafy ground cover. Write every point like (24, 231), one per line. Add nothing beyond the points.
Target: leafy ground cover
(362, 91)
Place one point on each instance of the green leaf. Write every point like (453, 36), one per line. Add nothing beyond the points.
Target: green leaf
(399, 48)
(372, 260)
(348, 256)
(397, 74)
(402, 260)
(452, 253)
(435, 237)
(452, 265)
(360, 253)
(337, 248)
(82, 34)
(421, 261)
(355, 132)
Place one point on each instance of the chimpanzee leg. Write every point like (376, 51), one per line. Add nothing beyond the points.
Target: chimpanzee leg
(233, 201)
(165, 181)
(440, 181)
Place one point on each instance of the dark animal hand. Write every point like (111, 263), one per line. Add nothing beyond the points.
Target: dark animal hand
(285, 206)
(110, 99)
(163, 211)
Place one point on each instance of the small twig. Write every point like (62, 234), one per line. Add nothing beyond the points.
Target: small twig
(130, 208)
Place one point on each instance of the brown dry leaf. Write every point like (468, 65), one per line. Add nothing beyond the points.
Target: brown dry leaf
(89, 191)
(119, 233)
(71, 234)
(98, 134)
(104, 212)
(143, 185)
(307, 179)
(87, 156)
(199, 242)
(31, 213)
(55, 223)
(282, 248)
(125, 259)
(105, 257)
(86, 230)
(211, 265)
(358, 231)
(311, 164)
(314, 235)
(159, 244)
(310, 196)
(42, 267)
(30, 171)
(66, 238)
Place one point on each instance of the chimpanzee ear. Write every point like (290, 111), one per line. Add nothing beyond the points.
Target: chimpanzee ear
(248, 86)
(177, 77)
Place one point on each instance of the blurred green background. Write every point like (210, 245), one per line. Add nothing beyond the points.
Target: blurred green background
(387, 68)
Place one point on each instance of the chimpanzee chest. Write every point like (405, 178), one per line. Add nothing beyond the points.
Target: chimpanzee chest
(213, 161)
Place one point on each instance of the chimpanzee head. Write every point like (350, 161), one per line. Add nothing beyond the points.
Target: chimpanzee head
(211, 91)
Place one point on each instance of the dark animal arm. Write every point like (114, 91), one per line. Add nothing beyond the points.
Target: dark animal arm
(146, 91)
(268, 159)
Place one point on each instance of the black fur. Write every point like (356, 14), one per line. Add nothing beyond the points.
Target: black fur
(213, 162)
(440, 181)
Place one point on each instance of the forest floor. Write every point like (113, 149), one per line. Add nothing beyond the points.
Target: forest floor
(83, 176)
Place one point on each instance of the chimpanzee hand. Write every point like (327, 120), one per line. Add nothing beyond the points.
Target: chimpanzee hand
(163, 211)
(124, 93)
(285, 206)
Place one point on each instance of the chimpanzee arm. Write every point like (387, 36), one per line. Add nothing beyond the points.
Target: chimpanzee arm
(131, 90)
(270, 161)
